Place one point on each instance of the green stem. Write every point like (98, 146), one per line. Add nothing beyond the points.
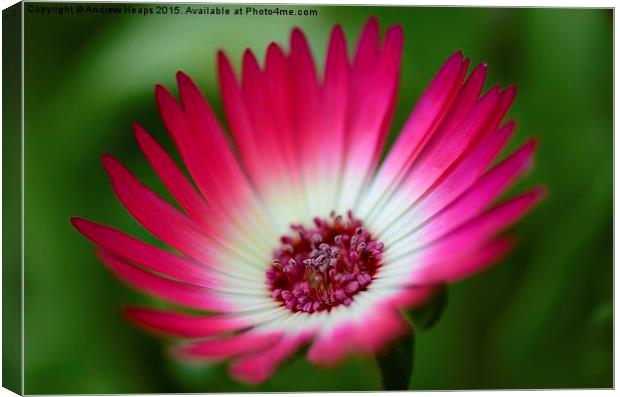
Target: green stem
(396, 363)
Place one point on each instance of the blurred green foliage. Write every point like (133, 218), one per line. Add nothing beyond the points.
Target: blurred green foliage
(542, 319)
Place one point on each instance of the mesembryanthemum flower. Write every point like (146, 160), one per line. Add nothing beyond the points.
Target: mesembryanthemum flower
(296, 232)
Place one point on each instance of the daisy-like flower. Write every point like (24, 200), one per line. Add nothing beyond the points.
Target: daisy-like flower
(296, 229)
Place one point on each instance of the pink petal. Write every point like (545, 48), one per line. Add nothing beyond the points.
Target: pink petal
(182, 325)
(371, 109)
(465, 173)
(469, 237)
(391, 54)
(381, 327)
(504, 103)
(228, 347)
(367, 336)
(412, 296)
(368, 46)
(213, 145)
(156, 215)
(334, 100)
(170, 290)
(285, 144)
(143, 254)
(206, 153)
(178, 185)
(466, 99)
(304, 97)
(446, 147)
(482, 193)
(331, 348)
(258, 367)
(261, 113)
(425, 118)
(365, 59)
(376, 109)
(239, 118)
(448, 271)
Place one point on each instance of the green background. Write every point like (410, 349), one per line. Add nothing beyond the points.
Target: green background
(542, 319)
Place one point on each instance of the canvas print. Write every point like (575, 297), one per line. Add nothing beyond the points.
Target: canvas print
(245, 197)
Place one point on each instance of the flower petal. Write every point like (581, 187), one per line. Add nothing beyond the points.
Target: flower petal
(479, 229)
(164, 221)
(419, 128)
(182, 325)
(143, 254)
(451, 186)
(209, 160)
(177, 184)
(367, 335)
(227, 347)
(266, 149)
(164, 262)
(170, 290)
(256, 368)
(457, 244)
(482, 193)
(456, 269)
(442, 151)
(335, 105)
(370, 111)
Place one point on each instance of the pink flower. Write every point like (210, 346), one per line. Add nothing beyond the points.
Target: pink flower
(293, 231)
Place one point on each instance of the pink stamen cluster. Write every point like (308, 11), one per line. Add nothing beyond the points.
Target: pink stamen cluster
(324, 266)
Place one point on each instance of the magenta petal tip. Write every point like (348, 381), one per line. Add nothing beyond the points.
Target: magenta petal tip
(138, 129)
(142, 137)
(337, 28)
(511, 124)
(494, 91)
(109, 163)
(247, 53)
(511, 91)
(539, 193)
(373, 22)
(222, 59)
(396, 29)
(297, 35)
(160, 92)
(77, 222)
(182, 77)
(480, 71)
(273, 47)
(533, 142)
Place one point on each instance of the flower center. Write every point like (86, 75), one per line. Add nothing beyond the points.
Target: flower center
(324, 266)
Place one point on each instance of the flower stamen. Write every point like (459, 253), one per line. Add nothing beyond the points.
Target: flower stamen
(325, 266)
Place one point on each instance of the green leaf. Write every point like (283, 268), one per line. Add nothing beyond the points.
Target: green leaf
(427, 316)
(396, 363)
